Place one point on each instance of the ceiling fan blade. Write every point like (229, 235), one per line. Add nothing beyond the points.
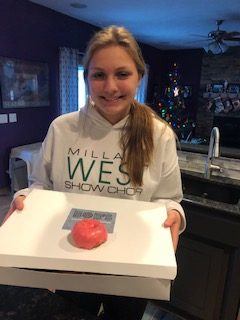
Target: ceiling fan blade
(199, 36)
(199, 41)
(232, 39)
(233, 34)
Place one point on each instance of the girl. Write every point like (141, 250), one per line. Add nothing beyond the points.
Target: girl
(113, 147)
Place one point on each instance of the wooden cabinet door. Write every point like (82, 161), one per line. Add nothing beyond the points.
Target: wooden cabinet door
(199, 285)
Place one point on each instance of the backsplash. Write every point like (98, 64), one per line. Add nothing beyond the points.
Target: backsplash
(192, 161)
(195, 162)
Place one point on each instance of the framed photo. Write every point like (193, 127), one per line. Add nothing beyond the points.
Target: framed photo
(186, 91)
(23, 83)
(233, 88)
(217, 87)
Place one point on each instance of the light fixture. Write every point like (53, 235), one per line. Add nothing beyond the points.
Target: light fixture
(224, 46)
(216, 47)
(78, 5)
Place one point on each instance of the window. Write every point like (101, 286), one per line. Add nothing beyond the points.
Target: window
(141, 93)
(82, 93)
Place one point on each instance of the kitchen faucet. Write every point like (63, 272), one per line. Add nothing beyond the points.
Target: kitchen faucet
(213, 153)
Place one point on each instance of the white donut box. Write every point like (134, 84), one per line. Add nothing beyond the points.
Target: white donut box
(137, 259)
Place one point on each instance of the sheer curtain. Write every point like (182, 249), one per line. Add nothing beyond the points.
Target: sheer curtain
(141, 94)
(68, 73)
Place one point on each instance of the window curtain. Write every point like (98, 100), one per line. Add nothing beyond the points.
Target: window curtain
(141, 94)
(68, 73)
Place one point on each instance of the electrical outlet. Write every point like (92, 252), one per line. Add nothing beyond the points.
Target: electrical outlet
(3, 118)
(12, 117)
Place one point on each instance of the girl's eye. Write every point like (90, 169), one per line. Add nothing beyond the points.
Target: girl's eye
(123, 75)
(98, 76)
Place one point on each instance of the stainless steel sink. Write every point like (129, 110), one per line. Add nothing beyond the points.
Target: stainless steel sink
(209, 189)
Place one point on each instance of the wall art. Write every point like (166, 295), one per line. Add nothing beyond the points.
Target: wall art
(23, 83)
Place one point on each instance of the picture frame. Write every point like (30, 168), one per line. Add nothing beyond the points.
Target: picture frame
(217, 87)
(186, 91)
(23, 83)
(233, 88)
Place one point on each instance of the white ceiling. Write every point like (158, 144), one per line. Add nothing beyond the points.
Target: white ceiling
(175, 24)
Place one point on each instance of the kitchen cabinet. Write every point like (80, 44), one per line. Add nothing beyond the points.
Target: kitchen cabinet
(203, 267)
(207, 286)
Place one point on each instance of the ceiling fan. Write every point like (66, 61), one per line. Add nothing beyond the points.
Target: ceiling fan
(218, 39)
(220, 35)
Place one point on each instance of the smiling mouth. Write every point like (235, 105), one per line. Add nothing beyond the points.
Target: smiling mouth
(112, 99)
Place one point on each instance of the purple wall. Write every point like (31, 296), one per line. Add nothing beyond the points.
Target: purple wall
(34, 33)
(31, 32)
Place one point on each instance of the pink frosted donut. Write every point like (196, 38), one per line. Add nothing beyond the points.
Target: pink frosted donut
(89, 233)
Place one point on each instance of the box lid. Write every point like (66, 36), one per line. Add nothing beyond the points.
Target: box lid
(138, 245)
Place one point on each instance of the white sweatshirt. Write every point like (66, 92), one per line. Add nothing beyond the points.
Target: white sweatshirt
(81, 154)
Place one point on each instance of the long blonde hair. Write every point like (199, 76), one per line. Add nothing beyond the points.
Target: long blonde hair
(136, 139)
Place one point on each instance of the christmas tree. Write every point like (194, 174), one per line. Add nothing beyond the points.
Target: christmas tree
(174, 106)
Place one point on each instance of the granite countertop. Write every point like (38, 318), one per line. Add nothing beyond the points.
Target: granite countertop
(216, 179)
(221, 207)
(201, 148)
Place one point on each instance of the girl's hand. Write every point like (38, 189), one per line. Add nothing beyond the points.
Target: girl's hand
(173, 221)
(17, 204)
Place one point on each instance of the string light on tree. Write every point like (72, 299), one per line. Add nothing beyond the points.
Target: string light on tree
(173, 107)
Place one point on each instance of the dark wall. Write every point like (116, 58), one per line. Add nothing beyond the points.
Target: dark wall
(155, 59)
(34, 33)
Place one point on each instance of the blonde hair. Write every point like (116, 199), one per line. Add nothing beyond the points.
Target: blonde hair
(136, 139)
(114, 35)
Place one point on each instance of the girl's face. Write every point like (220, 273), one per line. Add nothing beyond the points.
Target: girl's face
(112, 79)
